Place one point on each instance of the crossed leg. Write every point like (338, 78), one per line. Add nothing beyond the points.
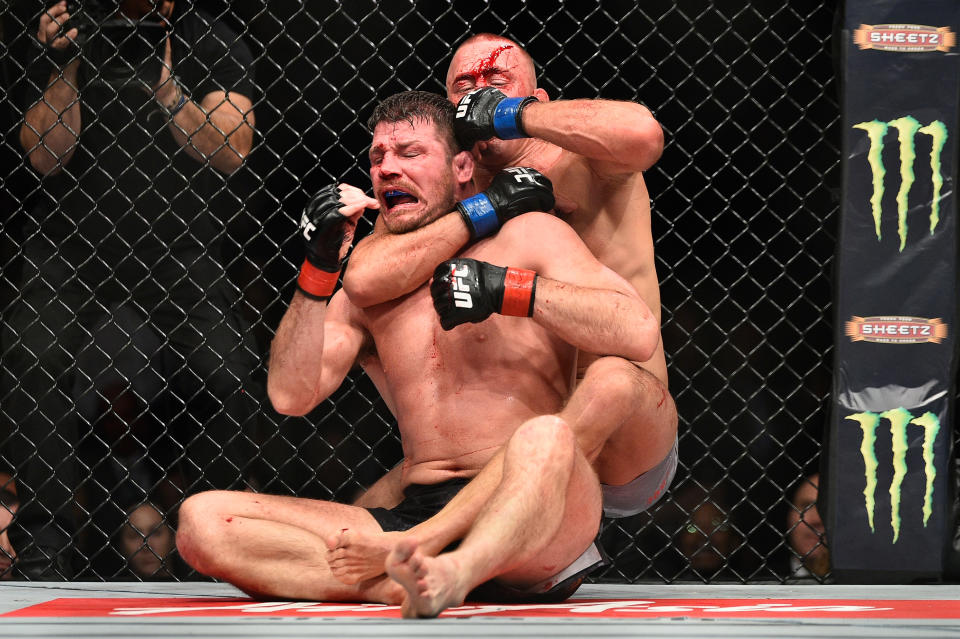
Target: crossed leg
(542, 515)
(624, 421)
(272, 546)
(624, 417)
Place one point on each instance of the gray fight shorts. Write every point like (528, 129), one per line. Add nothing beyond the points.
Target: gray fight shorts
(642, 492)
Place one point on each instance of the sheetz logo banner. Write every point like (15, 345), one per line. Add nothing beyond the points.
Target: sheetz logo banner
(899, 420)
(904, 38)
(896, 329)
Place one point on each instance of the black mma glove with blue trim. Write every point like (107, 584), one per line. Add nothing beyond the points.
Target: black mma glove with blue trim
(512, 192)
(488, 113)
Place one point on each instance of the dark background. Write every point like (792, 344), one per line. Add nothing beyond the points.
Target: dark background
(744, 201)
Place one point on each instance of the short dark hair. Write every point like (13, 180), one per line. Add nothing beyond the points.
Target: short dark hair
(410, 106)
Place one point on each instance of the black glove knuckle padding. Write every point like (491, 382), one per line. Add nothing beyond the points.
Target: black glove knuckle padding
(325, 237)
(513, 195)
(474, 119)
(477, 285)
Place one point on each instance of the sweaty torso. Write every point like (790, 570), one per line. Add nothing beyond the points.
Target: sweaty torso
(458, 395)
(612, 216)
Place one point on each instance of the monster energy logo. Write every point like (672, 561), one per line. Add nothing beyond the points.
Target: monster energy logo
(899, 419)
(907, 128)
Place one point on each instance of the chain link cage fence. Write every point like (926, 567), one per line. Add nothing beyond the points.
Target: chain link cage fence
(121, 407)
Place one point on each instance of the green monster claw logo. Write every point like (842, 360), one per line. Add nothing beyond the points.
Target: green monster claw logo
(899, 419)
(907, 128)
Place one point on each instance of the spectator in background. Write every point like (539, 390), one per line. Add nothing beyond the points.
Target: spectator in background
(131, 456)
(131, 143)
(809, 555)
(146, 542)
(707, 538)
(8, 508)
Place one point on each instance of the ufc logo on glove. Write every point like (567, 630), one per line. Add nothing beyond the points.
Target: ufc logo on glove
(307, 226)
(463, 106)
(522, 173)
(461, 291)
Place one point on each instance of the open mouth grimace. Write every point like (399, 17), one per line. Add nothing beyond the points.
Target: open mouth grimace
(397, 197)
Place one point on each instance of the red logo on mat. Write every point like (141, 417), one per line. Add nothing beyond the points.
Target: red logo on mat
(577, 608)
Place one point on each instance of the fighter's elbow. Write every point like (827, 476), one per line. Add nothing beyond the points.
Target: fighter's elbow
(646, 137)
(357, 285)
(645, 353)
(365, 286)
(289, 403)
(648, 340)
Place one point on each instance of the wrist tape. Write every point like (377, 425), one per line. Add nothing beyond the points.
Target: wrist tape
(507, 117)
(519, 288)
(479, 215)
(316, 283)
(171, 111)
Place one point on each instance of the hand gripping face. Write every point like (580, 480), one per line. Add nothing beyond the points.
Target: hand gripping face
(487, 113)
(324, 229)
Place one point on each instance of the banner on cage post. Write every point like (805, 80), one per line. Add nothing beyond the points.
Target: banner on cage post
(887, 487)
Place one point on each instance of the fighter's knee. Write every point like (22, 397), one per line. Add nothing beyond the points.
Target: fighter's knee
(620, 378)
(545, 427)
(197, 518)
(188, 529)
(200, 507)
(546, 433)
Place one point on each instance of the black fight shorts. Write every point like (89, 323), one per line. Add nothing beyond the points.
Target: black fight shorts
(420, 503)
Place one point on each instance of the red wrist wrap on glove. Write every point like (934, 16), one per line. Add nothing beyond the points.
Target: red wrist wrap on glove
(315, 282)
(519, 286)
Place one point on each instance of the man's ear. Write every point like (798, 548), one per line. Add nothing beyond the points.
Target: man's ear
(541, 94)
(463, 167)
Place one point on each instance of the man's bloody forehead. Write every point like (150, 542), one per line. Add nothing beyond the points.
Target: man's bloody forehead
(485, 64)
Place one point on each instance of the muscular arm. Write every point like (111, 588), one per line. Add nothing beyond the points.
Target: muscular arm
(218, 130)
(385, 265)
(597, 320)
(577, 298)
(51, 127)
(619, 137)
(314, 348)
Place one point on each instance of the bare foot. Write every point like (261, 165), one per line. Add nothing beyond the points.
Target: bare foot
(355, 556)
(433, 584)
(383, 590)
